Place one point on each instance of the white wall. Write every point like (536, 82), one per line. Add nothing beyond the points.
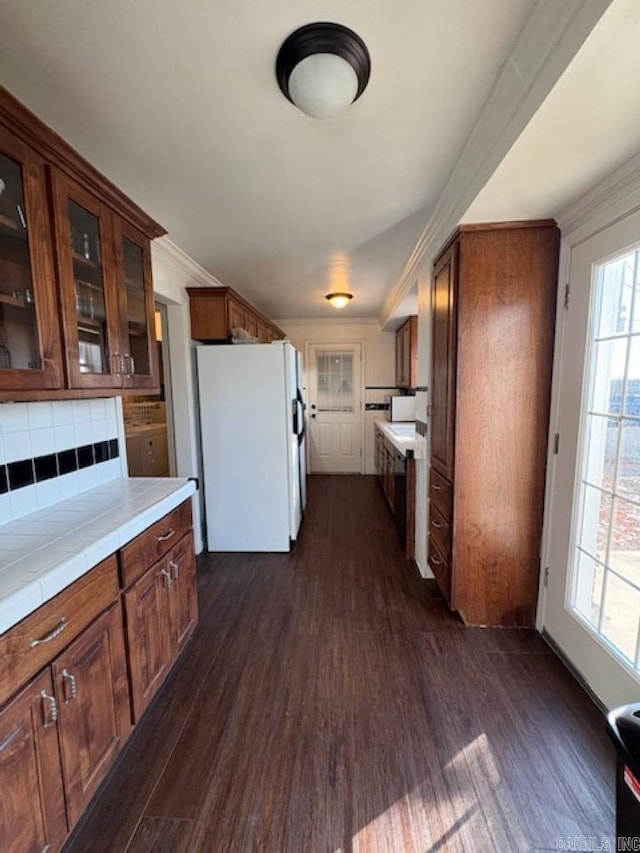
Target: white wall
(379, 361)
(173, 271)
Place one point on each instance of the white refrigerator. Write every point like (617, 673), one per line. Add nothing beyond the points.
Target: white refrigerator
(253, 444)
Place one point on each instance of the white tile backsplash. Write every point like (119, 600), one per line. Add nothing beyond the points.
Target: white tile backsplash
(40, 415)
(29, 430)
(16, 446)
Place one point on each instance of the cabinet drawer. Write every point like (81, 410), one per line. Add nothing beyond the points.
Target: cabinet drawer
(440, 531)
(441, 569)
(146, 549)
(32, 643)
(441, 494)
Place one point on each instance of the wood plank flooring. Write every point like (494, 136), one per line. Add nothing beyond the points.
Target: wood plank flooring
(330, 702)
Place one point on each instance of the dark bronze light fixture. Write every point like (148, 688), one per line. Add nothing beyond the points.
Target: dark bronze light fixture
(323, 68)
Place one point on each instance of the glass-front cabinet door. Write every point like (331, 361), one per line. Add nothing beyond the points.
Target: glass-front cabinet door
(30, 348)
(133, 258)
(89, 296)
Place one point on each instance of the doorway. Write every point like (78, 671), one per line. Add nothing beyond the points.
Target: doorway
(334, 376)
(148, 418)
(592, 601)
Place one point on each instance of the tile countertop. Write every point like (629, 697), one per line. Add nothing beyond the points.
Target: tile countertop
(417, 444)
(42, 553)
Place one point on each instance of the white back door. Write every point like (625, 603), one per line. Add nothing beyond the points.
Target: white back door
(334, 374)
(591, 605)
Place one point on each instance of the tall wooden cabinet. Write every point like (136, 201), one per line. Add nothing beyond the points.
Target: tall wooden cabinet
(493, 306)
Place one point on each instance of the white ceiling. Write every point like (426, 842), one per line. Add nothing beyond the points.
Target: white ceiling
(587, 126)
(178, 104)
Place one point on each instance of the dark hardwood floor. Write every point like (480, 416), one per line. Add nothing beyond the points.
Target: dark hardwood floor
(329, 702)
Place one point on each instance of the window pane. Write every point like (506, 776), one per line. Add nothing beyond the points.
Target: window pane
(624, 549)
(632, 388)
(613, 302)
(620, 615)
(335, 381)
(596, 518)
(588, 587)
(628, 478)
(136, 306)
(601, 446)
(609, 360)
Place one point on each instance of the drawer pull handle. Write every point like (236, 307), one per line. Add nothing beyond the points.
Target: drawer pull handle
(436, 561)
(62, 624)
(175, 570)
(72, 681)
(436, 487)
(168, 580)
(167, 535)
(50, 709)
(436, 524)
(6, 743)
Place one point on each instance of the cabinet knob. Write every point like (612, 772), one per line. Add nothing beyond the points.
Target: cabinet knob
(175, 570)
(168, 580)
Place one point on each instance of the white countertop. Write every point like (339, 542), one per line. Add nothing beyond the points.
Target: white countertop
(418, 444)
(42, 553)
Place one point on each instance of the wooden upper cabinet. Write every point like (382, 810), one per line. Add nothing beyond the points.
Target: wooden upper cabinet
(407, 354)
(76, 298)
(30, 345)
(215, 311)
(86, 270)
(133, 279)
(104, 266)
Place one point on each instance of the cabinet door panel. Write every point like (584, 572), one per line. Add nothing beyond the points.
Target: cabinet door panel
(138, 343)
(148, 634)
(93, 696)
(444, 363)
(32, 814)
(184, 597)
(90, 306)
(30, 347)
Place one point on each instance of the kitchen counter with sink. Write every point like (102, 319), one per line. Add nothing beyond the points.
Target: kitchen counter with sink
(45, 551)
(403, 436)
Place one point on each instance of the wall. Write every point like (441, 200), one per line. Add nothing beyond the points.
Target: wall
(379, 361)
(54, 450)
(173, 271)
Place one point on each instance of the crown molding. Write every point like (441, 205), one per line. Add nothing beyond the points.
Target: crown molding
(330, 321)
(552, 35)
(169, 251)
(609, 200)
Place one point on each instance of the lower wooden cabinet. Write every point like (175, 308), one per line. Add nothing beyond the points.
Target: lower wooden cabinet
(32, 809)
(92, 692)
(61, 733)
(162, 613)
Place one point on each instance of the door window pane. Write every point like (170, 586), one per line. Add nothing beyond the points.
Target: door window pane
(86, 251)
(19, 344)
(335, 381)
(605, 580)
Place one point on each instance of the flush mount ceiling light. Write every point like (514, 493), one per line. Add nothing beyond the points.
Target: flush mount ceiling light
(322, 68)
(339, 300)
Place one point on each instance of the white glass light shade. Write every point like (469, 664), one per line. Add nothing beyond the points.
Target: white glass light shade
(323, 84)
(339, 300)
